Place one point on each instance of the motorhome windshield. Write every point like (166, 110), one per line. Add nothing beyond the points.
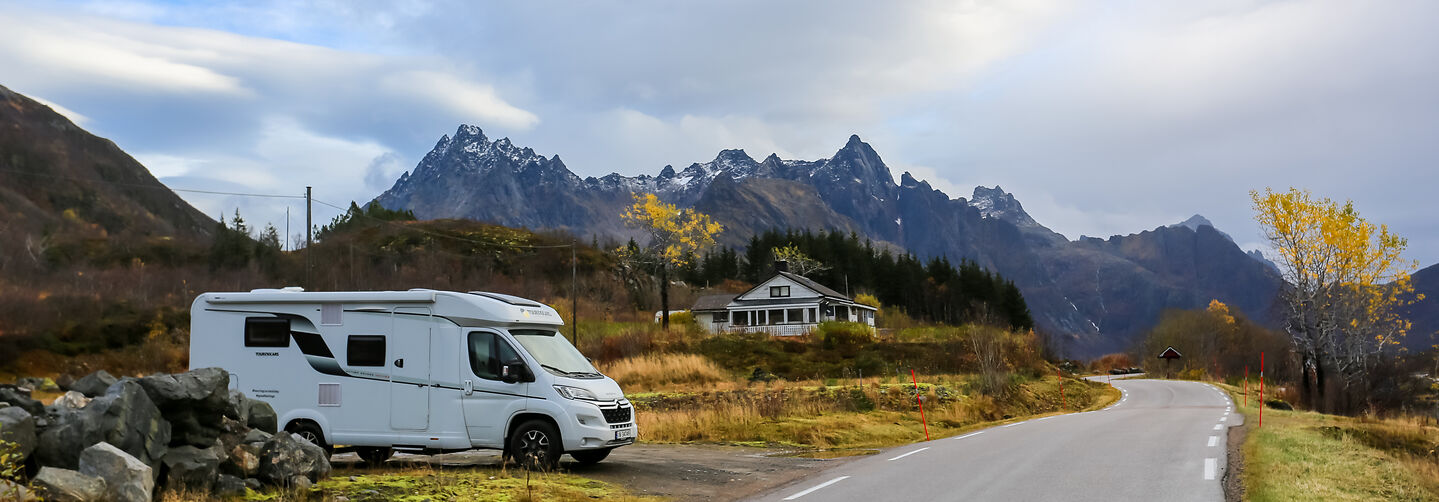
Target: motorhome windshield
(554, 353)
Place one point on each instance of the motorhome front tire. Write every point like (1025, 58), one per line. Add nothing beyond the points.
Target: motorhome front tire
(536, 445)
(590, 457)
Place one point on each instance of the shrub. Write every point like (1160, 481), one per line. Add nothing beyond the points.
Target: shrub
(847, 338)
(655, 370)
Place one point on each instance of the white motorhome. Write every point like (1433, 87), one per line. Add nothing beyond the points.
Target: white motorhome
(417, 371)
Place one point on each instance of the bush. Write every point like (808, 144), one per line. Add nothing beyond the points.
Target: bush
(655, 370)
(847, 338)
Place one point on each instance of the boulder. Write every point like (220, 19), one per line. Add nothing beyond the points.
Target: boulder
(253, 484)
(300, 483)
(284, 456)
(18, 426)
(227, 486)
(70, 401)
(65, 485)
(65, 382)
(256, 437)
(124, 417)
(262, 416)
(37, 383)
(127, 479)
(94, 384)
(17, 396)
(191, 468)
(237, 406)
(192, 402)
(244, 461)
(11, 491)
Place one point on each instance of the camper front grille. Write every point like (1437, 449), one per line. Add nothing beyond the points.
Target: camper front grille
(617, 415)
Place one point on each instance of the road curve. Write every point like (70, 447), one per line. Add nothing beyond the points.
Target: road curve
(1163, 440)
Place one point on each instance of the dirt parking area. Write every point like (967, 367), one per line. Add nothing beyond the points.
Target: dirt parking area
(681, 472)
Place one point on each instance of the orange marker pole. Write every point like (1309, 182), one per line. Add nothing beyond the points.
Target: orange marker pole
(918, 399)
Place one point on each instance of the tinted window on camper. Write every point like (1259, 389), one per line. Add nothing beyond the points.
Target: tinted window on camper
(267, 332)
(488, 353)
(365, 350)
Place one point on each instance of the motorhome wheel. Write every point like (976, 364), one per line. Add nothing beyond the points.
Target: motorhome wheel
(309, 431)
(536, 445)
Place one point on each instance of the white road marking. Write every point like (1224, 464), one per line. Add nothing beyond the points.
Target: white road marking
(1210, 468)
(1224, 418)
(821, 485)
(1213, 440)
(970, 434)
(1218, 427)
(910, 453)
(1010, 425)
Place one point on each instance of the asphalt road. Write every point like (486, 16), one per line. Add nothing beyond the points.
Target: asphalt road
(1164, 440)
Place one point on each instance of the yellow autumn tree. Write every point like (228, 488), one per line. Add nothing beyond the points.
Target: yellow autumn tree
(1346, 281)
(676, 236)
(799, 262)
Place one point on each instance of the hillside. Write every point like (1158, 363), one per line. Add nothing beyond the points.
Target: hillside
(1425, 314)
(1098, 294)
(58, 180)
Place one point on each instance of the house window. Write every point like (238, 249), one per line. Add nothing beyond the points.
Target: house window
(811, 315)
(365, 350)
(267, 332)
(795, 316)
(741, 318)
(779, 291)
(721, 317)
(776, 316)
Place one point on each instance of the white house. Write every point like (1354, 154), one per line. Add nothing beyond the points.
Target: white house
(786, 304)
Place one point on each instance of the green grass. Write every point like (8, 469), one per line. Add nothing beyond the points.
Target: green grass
(431, 484)
(1299, 455)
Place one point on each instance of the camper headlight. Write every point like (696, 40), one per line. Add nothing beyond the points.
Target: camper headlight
(576, 393)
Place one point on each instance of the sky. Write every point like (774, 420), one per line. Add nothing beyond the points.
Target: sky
(1103, 118)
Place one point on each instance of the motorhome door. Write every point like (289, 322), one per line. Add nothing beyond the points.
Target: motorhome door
(410, 369)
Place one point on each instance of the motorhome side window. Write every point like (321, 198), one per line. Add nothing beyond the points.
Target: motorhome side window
(365, 350)
(267, 332)
(488, 353)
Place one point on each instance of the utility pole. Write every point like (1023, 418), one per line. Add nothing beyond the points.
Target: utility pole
(574, 294)
(309, 226)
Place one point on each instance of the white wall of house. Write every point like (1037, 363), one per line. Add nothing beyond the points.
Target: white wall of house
(763, 291)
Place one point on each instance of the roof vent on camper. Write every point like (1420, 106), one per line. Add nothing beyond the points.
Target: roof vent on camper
(293, 289)
(512, 300)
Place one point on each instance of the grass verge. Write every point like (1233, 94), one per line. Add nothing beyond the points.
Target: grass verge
(431, 484)
(1300, 455)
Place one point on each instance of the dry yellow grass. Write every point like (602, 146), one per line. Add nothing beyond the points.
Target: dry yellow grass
(656, 371)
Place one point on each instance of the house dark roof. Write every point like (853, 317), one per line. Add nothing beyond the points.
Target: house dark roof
(712, 302)
(817, 287)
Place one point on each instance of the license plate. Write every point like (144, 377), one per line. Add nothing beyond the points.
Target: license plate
(624, 434)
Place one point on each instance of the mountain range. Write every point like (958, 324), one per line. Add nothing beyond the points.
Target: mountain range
(57, 179)
(1099, 294)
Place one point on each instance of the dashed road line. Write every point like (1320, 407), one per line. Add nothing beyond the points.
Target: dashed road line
(1213, 440)
(1210, 469)
(816, 487)
(1218, 427)
(970, 434)
(910, 453)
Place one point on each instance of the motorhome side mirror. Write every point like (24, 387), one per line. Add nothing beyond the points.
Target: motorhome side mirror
(515, 371)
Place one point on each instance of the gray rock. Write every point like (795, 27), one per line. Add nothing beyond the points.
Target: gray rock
(70, 401)
(300, 483)
(65, 382)
(17, 396)
(244, 461)
(18, 426)
(94, 384)
(262, 416)
(192, 402)
(229, 486)
(16, 492)
(124, 417)
(253, 484)
(287, 455)
(237, 406)
(65, 485)
(127, 479)
(191, 468)
(37, 383)
(256, 436)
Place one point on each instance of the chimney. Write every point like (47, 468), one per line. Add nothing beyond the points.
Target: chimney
(781, 266)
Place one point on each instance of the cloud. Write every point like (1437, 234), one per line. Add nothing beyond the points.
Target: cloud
(74, 116)
(478, 103)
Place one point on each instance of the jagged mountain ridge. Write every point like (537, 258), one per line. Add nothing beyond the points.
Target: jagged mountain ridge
(1101, 293)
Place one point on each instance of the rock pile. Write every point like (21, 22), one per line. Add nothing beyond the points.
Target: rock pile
(118, 439)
